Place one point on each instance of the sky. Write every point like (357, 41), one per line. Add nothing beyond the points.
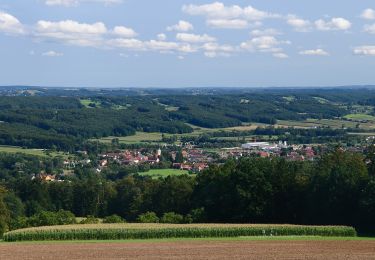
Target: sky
(187, 43)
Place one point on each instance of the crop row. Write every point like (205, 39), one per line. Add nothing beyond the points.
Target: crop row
(178, 232)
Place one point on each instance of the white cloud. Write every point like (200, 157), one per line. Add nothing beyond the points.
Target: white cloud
(316, 52)
(265, 32)
(52, 54)
(161, 37)
(264, 44)
(213, 46)
(336, 23)
(125, 32)
(10, 24)
(70, 3)
(370, 28)
(72, 32)
(228, 23)
(366, 50)
(130, 44)
(212, 54)
(299, 24)
(218, 10)
(368, 14)
(181, 26)
(280, 55)
(70, 26)
(194, 38)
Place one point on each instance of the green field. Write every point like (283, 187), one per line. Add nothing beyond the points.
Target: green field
(333, 123)
(36, 152)
(163, 173)
(142, 137)
(360, 117)
(139, 137)
(87, 102)
(161, 231)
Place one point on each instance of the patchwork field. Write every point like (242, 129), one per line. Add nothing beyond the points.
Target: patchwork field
(194, 249)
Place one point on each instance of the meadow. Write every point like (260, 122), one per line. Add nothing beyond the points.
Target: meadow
(163, 173)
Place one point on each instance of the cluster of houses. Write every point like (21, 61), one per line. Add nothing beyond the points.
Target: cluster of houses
(133, 157)
(266, 150)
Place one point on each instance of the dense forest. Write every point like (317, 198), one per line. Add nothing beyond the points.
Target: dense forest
(338, 189)
(63, 120)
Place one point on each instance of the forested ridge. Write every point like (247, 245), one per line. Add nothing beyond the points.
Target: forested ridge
(65, 122)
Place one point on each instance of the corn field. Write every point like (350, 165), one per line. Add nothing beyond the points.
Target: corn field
(156, 231)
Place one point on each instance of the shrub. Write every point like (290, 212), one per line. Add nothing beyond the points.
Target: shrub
(148, 217)
(113, 219)
(48, 218)
(197, 215)
(90, 220)
(172, 218)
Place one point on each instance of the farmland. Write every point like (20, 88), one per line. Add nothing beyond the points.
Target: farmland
(236, 248)
(143, 137)
(157, 231)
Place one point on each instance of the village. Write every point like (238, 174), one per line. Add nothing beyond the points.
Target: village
(189, 157)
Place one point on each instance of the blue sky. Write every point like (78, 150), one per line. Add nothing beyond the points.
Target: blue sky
(174, 43)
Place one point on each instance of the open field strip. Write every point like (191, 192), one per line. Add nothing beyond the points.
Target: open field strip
(36, 152)
(157, 173)
(360, 117)
(157, 231)
(143, 137)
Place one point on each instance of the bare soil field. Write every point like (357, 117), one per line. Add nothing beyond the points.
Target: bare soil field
(191, 250)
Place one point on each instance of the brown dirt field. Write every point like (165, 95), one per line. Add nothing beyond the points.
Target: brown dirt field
(192, 250)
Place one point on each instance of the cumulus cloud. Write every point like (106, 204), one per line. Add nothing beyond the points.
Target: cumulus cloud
(10, 24)
(218, 10)
(181, 26)
(370, 28)
(194, 38)
(70, 3)
(316, 52)
(161, 37)
(264, 44)
(280, 55)
(265, 32)
(228, 23)
(72, 32)
(299, 24)
(367, 50)
(52, 54)
(334, 24)
(368, 14)
(125, 32)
